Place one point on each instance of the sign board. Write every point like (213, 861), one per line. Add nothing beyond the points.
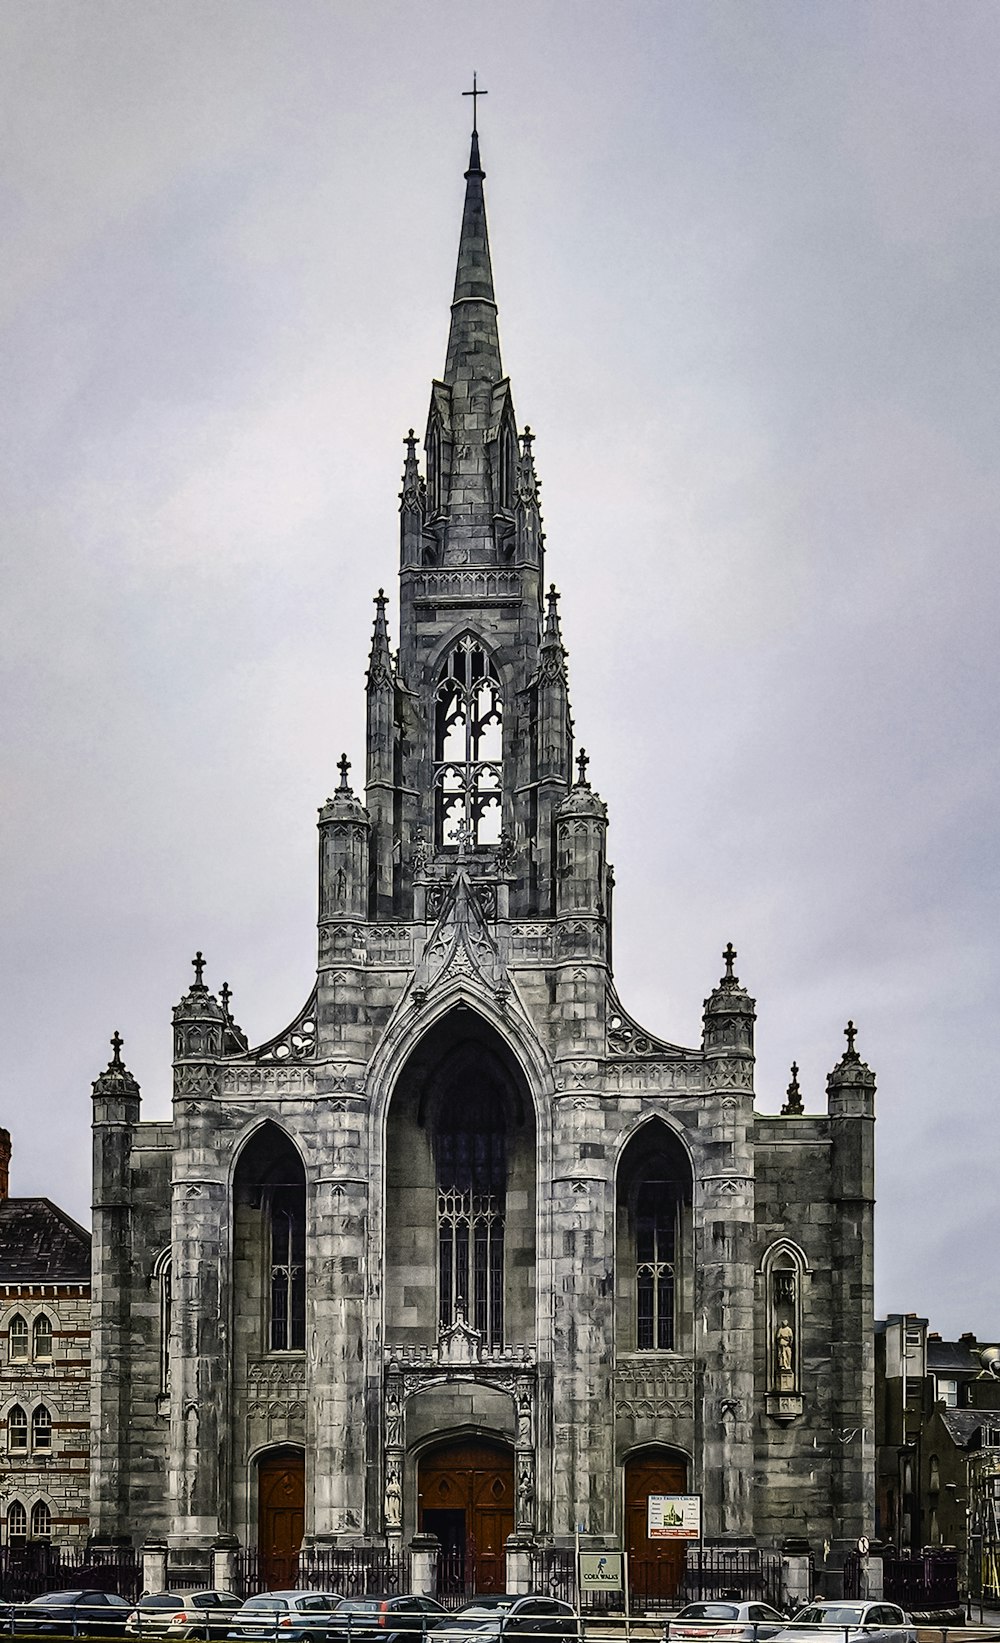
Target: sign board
(673, 1517)
(600, 1571)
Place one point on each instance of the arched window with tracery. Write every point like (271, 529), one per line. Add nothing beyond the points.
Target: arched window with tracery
(471, 1161)
(41, 1428)
(41, 1521)
(17, 1524)
(41, 1337)
(288, 1268)
(653, 1243)
(269, 1268)
(468, 749)
(17, 1338)
(17, 1429)
(163, 1277)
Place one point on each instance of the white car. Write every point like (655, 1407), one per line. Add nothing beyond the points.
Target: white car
(747, 1620)
(843, 1621)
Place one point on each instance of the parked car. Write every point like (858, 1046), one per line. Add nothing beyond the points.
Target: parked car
(839, 1621)
(202, 1614)
(745, 1619)
(386, 1618)
(73, 1614)
(285, 1616)
(504, 1615)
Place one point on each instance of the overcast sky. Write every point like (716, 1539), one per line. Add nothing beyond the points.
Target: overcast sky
(746, 259)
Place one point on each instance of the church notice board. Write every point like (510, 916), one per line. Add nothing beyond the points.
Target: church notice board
(673, 1517)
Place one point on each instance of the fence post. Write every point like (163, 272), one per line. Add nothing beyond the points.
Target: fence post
(518, 1550)
(425, 1550)
(154, 1566)
(225, 1551)
(796, 1573)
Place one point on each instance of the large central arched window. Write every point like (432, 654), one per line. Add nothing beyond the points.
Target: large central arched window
(468, 730)
(269, 1191)
(471, 1159)
(653, 1252)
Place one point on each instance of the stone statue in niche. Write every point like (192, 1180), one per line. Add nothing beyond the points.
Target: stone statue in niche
(393, 1414)
(525, 1492)
(784, 1355)
(393, 1495)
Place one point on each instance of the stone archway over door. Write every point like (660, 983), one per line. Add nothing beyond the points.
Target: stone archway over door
(466, 1493)
(656, 1567)
(281, 1495)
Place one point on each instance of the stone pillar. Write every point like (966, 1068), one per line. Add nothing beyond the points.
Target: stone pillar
(519, 1571)
(116, 1113)
(154, 1566)
(851, 1110)
(225, 1554)
(796, 1579)
(424, 1553)
(199, 1345)
(725, 1263)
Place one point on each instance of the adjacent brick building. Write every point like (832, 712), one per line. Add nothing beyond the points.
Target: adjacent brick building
(44, 1369)
(466, 1249)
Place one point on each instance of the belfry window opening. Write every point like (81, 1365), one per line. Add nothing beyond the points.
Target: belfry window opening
(471, 1201)
(468, 737)
(655, 1251)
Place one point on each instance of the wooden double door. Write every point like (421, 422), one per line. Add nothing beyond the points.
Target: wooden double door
(466, 1499)
(281, 1510)
(656, 1567)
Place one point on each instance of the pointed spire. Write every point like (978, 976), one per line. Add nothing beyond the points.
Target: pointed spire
(553, 632)
(380, 659)
(793, 1102)
(474, 341)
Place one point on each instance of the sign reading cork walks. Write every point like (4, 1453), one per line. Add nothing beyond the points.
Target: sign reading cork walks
(673, 1517)
(600, 1571)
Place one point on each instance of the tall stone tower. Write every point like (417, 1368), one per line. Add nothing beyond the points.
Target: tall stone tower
(465, 1251)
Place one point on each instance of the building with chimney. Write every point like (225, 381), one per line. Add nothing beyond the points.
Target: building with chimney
(44, 1370)
(465, 1251)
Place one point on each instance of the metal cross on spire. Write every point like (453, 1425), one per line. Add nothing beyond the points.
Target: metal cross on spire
(474, 94)
(582, 761)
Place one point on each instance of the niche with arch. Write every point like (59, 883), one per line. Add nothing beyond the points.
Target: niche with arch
(460, 1191)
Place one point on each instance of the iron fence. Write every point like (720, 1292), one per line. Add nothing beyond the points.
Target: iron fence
(28, 1571)
(352, 1571)
(740, 1572)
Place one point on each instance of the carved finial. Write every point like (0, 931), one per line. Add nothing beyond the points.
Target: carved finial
(116, 1043)
(851, 1033)
(527, 440)
(199, 968)
(462, 834)
(225, 995)
(380, 599)
(582, 762)
(411, 446)
(729, 957)
(793, 1103)
(343, 765)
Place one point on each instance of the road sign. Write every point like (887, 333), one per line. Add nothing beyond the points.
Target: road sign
(673, 1517)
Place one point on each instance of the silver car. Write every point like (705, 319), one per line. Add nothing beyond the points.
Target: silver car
(745, 1619)
(285, 1617)
(200, 1613)
(843, 1621)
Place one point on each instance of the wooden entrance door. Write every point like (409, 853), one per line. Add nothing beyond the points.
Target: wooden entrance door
(466, 1493)
(281, 1498)
(656, 1567)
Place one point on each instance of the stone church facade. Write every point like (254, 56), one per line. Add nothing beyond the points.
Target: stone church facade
(465, 1250)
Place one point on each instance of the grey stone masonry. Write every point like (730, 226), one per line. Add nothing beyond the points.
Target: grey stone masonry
(465, 1198)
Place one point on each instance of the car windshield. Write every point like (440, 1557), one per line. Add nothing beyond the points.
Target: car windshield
(709, 1611)
(359, 1605)
(485, 1606)
(831, 1614)
(56, 1597)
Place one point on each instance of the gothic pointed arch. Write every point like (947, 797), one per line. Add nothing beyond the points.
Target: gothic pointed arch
(269, 1251)
(653, 1244)
(460, 1192)
(468, 747)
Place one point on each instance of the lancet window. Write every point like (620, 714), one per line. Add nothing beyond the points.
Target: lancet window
(163, 1273)
(655, 1270)
(471, 1202)
(468, 749)
(41, 1428)
(17, 1428)
(41, 1521)
(288, 1269)
(17, 1338)
(17, 1524)
(41, 1337)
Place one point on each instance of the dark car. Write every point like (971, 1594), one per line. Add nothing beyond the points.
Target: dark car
(504, 1615)
(284, 1616)
(385, 1618)
(199, 1613)
(741, 1618)
(74, 1614)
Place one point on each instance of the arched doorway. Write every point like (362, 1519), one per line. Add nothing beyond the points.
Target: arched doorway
(466, 1498)
(281, 1497)
(656, 1567)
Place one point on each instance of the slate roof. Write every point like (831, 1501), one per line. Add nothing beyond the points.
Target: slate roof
(952, 1355)
(40, 1243)
(963, 1424)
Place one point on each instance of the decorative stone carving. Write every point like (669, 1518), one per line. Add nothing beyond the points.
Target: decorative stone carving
(296, 1043)
(393, 1493)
